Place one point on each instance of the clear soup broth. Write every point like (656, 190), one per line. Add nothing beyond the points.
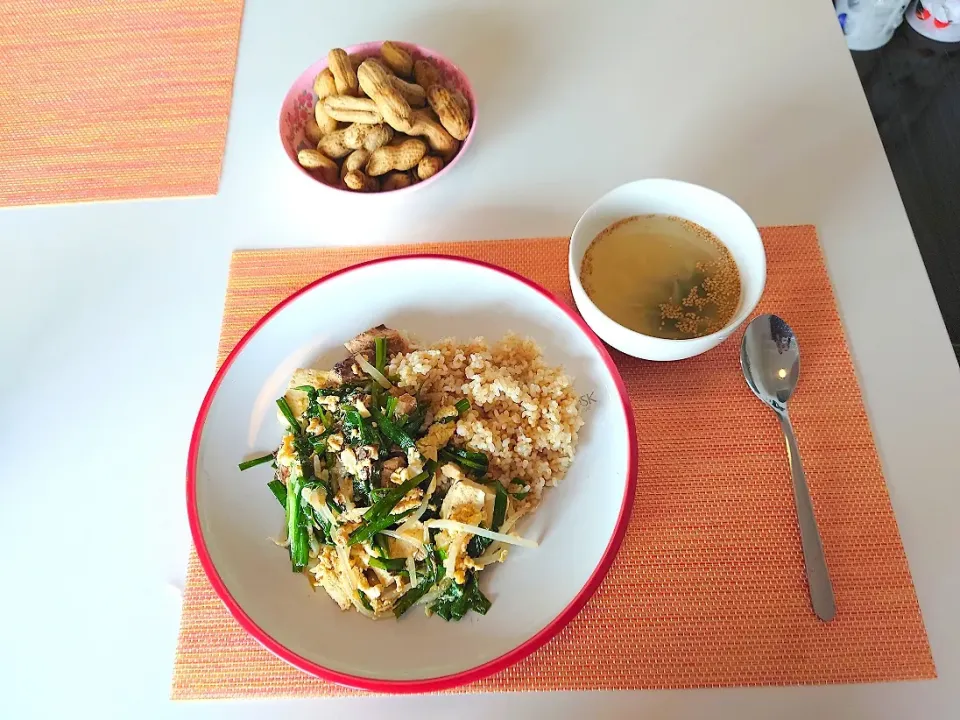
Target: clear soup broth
(663, 276)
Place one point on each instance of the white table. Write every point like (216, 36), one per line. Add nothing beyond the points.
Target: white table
(111, 314)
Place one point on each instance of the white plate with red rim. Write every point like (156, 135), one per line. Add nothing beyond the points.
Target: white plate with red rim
(535, 593)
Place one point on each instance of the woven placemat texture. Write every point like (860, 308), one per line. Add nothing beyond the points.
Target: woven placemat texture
(708, 588)
(114, 100)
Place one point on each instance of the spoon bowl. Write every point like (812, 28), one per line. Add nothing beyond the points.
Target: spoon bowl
(770, 358)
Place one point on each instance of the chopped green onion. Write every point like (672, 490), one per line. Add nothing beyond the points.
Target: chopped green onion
(411, 597)
(380, 545)
(352, 418)
(325, 418)
(394, 433)
(372, 372)
(361, 491)
(415, 422)
(475, 462)
(520, 494)
(304, 450)
(391, 407)
(364, 601)
(445, 603)
(477, 544)
(477, 600)
(313, 392)
(296, 532)
(457, 600)
(288, 414)
(394, 565)
(372, 527)
(380, 353)
(279, 491)
(474, 457)
(247, 464)
(386, 504)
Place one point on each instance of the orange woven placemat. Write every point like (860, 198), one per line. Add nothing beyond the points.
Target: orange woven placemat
(110, 101)
(708, 588)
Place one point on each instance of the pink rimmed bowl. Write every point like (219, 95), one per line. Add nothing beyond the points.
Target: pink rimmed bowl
(300, 99)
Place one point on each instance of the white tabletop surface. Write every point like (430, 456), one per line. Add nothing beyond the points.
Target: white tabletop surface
(111, 312)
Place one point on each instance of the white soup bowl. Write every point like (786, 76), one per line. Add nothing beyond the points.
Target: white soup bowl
(709, 209)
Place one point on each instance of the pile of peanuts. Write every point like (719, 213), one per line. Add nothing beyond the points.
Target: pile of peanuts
(404, 123)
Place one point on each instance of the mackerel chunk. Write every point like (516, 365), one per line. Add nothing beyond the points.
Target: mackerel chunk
(363, 344)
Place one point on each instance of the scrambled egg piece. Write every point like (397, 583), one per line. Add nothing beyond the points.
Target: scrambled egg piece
(327, 577)
(348, 458)
(361, 408)
(447, 411)
(437, 436)
(466, 502)
(411, 500)
(414, 461)
(287, 454)
(297, 399)
(399, 477)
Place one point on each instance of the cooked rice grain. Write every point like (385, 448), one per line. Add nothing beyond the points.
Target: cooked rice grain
(524, 413)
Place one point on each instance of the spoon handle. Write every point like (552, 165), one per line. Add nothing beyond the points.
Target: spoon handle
(821, 590)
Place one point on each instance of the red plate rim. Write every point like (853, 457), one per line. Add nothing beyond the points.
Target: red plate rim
(445, 681)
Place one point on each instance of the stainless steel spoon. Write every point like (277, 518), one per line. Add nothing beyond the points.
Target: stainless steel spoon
(770, 359)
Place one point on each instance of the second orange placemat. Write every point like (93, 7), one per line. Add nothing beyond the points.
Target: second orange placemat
(708, 588)
(114, 100)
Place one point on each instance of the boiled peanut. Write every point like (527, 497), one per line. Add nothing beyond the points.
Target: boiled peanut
(461, 101)
(429, 166)
(324, 84)
(356, 180)
(316, 160)
(426, 74)
(396, 180)
(375, 82)
(396, 58)
(347, 108)
(334, 145)
(344, 75)
(452, 116)
(341, 143)
(413, 94)
(404, 156)
(325, 123)
(367, 137)
(439, 139)
(311, 131)
(354, 161)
